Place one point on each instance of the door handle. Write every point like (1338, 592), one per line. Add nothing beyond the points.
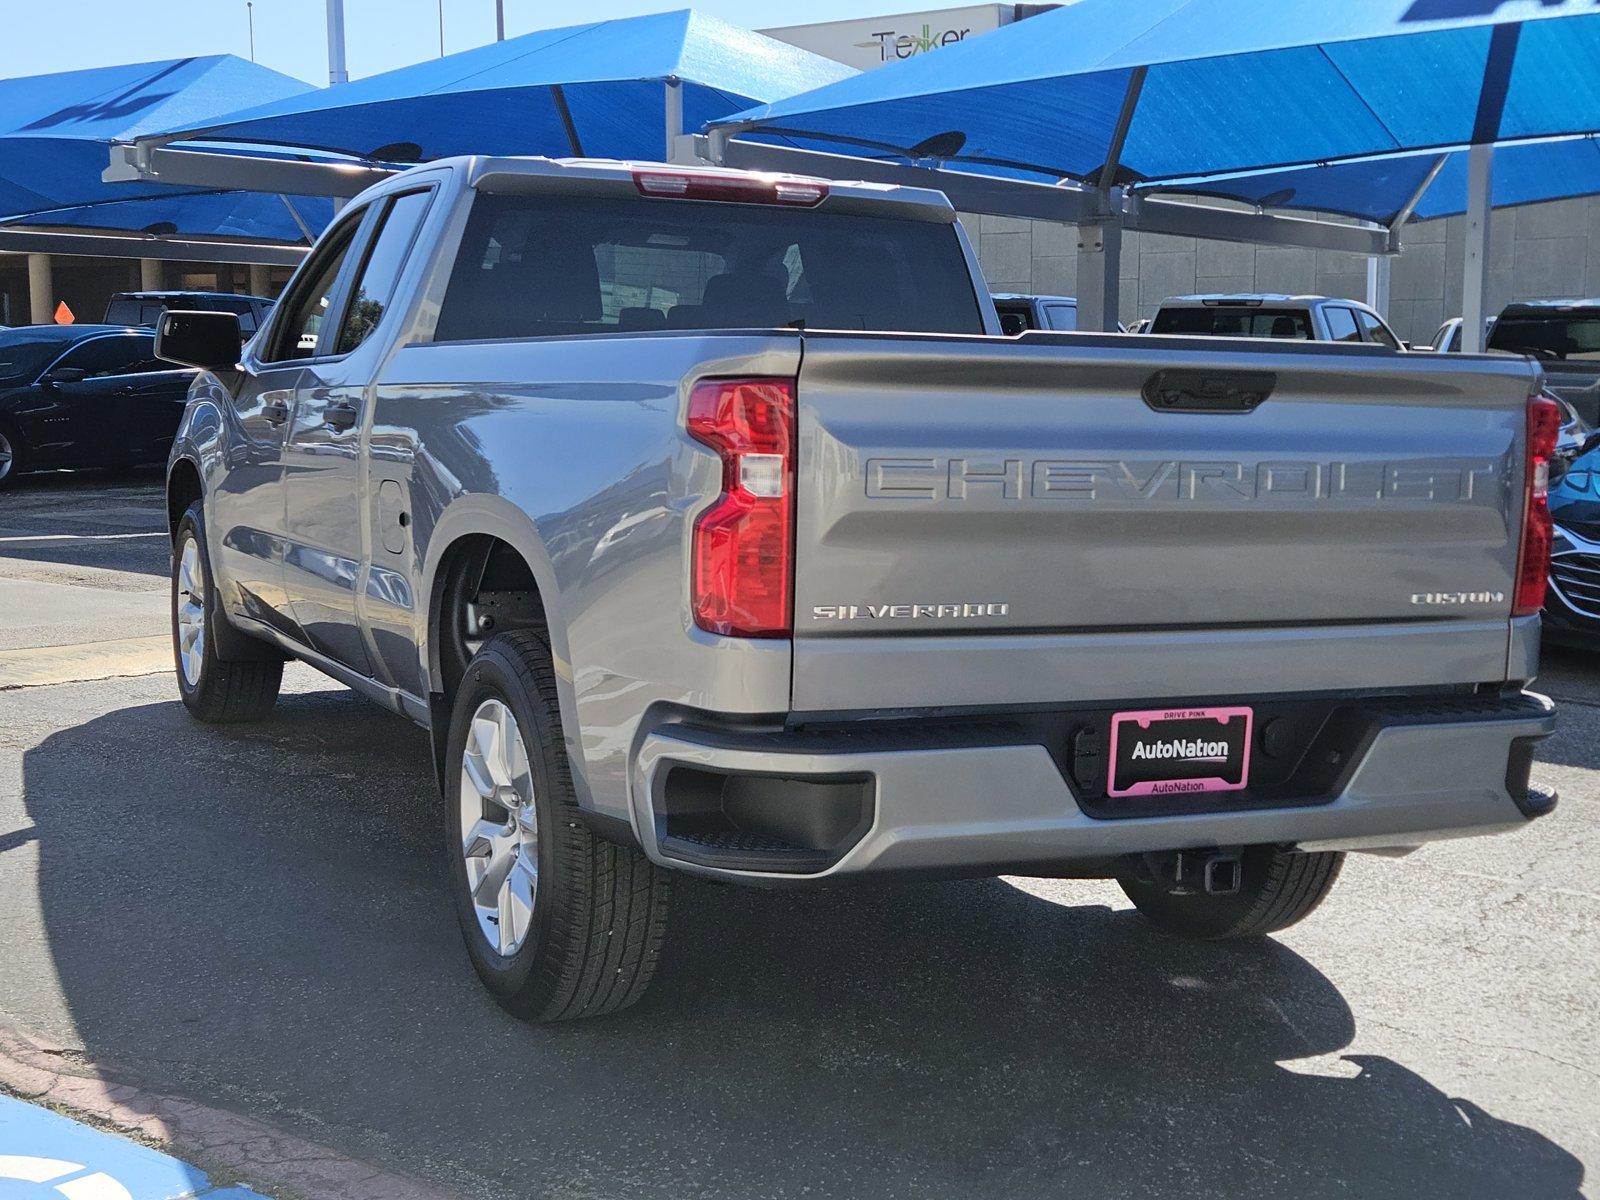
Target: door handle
(339, 415)
(275, 413)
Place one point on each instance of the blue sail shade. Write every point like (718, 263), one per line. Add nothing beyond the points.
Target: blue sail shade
(1230, 85)
(55, 131)
(1379, 189)
(595, 87)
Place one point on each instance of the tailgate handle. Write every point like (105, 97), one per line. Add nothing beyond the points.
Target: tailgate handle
(1195, 391)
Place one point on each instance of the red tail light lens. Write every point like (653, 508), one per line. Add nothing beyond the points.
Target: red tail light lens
(1533, 563)
(743, 557)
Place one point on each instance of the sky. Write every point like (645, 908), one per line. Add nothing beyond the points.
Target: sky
(291, 35)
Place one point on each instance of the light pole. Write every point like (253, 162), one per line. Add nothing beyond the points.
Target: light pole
(337, 73)
(250, 16)
(499, 20)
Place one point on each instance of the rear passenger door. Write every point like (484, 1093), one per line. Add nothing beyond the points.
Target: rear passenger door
(326, 550)
(1341, 322)
(85, 417)
(247, 527)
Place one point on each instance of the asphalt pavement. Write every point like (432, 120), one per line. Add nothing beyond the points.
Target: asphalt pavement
(254, 918)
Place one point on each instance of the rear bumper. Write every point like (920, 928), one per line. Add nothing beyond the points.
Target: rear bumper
(983, 798)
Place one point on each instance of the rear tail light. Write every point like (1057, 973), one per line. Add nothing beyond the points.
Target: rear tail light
(1533, 561)
(742, 189)
(743, 555)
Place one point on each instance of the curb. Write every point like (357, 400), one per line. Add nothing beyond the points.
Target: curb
(268, 1159)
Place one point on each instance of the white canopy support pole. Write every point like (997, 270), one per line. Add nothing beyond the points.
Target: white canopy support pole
(1380, 274)
(1475, 278)
(674, 109)
(336, 68)
(152, 275)
(1100, 273)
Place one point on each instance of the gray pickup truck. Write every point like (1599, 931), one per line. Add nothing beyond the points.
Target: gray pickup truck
(604, 475)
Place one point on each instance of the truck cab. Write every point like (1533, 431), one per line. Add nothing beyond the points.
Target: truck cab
(1020, 313)
(1269, 315)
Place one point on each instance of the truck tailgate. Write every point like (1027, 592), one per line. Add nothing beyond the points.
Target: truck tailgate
(984, 522)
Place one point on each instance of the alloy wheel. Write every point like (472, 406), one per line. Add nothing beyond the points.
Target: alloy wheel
(499, 827)
(191, 615)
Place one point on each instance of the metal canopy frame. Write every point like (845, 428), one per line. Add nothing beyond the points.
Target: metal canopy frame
(110, 245)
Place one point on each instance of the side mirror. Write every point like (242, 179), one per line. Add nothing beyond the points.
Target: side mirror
(208, 340)
(65, 375)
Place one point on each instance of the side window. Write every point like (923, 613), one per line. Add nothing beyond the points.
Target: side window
(1341, 324)
(1062, 316)
(1438, 342)
(295, 334)
(1377, 331)
(105, 356)
(375, 286)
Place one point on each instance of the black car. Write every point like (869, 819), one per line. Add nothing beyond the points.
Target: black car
(1564, 337)
(145, 308)
(85, 396)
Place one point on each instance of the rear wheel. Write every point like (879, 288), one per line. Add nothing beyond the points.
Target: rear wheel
(213, 690)
(1277, 887)
(11, 454)
(558, 923)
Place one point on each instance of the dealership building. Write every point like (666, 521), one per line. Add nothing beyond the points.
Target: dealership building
(1539, 251)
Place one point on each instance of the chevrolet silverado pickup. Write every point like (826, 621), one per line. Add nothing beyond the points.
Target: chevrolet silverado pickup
(610, 478)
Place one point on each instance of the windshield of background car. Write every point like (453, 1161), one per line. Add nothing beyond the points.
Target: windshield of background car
(1219, 321)
(538, 266)
(1556, 337)
(23, 358)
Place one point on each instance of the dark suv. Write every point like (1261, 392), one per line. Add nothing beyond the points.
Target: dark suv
(145, 308)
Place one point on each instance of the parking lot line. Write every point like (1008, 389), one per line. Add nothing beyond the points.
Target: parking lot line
(40, 666)
(77, 1162)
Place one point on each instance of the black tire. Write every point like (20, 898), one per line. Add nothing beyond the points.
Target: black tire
(1277, 887)
(13, 454)
(224, 693)
(599, 915)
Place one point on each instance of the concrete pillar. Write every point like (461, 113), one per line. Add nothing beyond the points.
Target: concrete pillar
(41, 289)
(152, 275)
(260, 280)
(1475, 278)
(1099, 275)
(1380, 280)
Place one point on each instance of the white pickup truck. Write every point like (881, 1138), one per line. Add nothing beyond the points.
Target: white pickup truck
(1269, 315)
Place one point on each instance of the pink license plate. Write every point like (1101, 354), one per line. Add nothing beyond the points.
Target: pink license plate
(1171, 751)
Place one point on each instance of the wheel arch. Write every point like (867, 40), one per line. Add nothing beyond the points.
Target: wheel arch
(184, 487)
(494, 539)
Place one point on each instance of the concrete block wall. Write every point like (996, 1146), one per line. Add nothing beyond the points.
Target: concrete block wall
(1538, 252)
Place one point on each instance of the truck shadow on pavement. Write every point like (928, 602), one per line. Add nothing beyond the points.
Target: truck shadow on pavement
(253, 917)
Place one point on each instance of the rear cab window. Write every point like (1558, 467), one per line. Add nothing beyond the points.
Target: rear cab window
(1559, 337)
(1235, 321)
(543, 266)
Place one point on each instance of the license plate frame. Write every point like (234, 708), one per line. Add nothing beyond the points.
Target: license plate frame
(1180, 751)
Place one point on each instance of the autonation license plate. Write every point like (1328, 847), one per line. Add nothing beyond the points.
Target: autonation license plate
(1174, 750)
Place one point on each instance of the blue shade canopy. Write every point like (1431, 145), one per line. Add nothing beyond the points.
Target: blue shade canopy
(1380, 189)
(250, 216)
(55, 130)
(519, 96)
(1230, 85)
